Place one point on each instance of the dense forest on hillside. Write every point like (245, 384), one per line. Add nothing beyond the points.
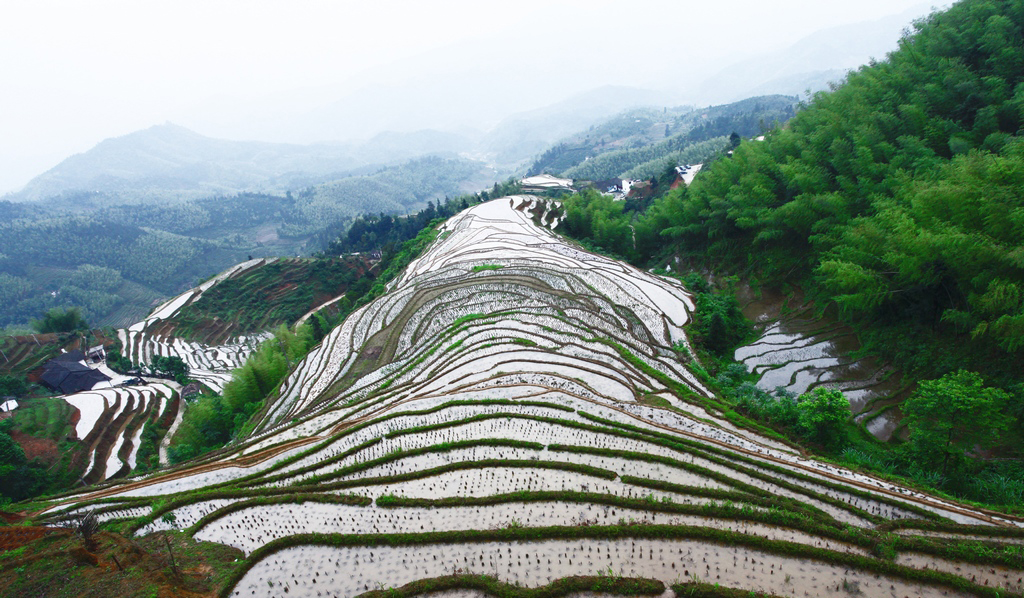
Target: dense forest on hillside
(900, 195)
(115, 260)
(643, 143)
(897, 197)
(381, 231)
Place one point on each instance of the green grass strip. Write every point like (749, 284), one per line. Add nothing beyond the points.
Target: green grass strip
(721, 476)
(696, 589)
(398, 455)
(955, 528)
(461, 422)
(652, 532)
(210, 493)
(649, 458)
(302, 470)
(352, 430)
(687, 394)
(619, 586)
(194, 497)
(970, 551)
(485, 463)
(770, 502)
(727, 510)
(671, 442)
(707, 451)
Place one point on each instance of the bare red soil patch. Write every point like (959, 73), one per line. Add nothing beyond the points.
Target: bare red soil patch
(16, 537)
(44, 449)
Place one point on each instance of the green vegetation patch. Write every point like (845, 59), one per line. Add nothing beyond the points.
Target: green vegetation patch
(619, 586)
(266, 296)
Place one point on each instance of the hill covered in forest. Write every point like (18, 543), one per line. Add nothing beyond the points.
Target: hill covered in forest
(643, 143)
(114, 260)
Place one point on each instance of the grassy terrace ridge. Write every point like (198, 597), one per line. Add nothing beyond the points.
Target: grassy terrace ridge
(650, 532)
(400, 454)
(186, 499)
(361, 426)
(685, 394)
(385, 439)
(687, 447)
(265, 296)
(621, 586)
(245, 480)
(718, 476)
(740, 510)
(696, 589)
(691, 447)
(769, 502)
(712, 453)
(941, 526)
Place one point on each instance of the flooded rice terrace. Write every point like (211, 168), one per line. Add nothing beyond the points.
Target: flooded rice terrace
(799, 350)
(350, 571)
(485, 416)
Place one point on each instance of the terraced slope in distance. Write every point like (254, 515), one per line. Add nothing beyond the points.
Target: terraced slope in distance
(485, 417)
(260, 298)
(215, 326)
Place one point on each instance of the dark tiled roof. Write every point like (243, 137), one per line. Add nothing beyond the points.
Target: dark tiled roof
(69, 377)
(75, 355)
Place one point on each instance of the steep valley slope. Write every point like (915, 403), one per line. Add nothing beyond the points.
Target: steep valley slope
(511, 418)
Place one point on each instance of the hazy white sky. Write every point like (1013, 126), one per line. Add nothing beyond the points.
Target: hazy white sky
(75, 72)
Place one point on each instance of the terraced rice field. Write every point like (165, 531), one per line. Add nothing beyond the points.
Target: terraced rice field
(217, 325)
(800, 350)
(483, 418)
(111, 422)
(209, 364)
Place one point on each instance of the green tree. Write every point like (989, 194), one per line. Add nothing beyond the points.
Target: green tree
(11, 386)
(822, 416)
(19, 479)
(171, 367)
(61, 320)
(952, 416)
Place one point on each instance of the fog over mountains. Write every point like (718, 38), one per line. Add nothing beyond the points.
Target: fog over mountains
(491, 100)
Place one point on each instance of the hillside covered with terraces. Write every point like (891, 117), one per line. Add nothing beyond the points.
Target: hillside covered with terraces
(516, 416)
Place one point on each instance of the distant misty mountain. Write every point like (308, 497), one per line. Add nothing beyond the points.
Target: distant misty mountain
(439, 114)
(170, 161)
(482, 118)
(521, 137)
(811, 63)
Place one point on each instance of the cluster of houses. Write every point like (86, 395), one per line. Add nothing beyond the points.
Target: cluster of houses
(618, 188)
(67, 374)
